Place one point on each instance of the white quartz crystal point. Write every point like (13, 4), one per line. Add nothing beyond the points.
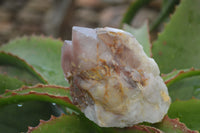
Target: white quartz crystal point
(112, 80)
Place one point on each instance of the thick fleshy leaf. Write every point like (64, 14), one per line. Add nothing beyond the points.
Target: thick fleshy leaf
(66, 124)
(167, 125)
(142, 35)
(13, 66)
(23, 113)
(9, 83)
(187, 111)
(134, 129)
(15, 118)
(19, 74)
(43, 54)
(178, 45)
(185, 89)
(167, 7)
(183, 84)
(78, 123)
(177, 75)
(173, 126)
(15, 72)
(47, 93)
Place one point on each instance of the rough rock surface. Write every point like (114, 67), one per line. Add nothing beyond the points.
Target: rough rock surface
(112, 80)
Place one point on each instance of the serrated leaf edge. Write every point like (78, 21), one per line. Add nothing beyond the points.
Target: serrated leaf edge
(145, 128)
(14, 92)
(166, 24)
(176, 123)
(32, 70)
(34, 35)
(180, 75)
(63, 100)
(31, 129)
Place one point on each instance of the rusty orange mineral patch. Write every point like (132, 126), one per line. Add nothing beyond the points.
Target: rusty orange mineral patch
(112, 80)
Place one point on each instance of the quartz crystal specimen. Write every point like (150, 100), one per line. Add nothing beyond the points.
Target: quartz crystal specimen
(113, 82)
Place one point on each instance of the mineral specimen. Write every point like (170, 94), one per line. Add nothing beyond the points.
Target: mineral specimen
(112, 80)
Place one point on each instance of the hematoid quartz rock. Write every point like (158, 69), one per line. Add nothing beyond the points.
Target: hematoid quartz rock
(112, 80)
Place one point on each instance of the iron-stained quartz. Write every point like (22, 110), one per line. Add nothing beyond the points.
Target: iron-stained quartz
(113, 82)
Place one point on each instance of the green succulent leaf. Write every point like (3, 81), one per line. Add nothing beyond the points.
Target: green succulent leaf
(47, 93)
(133, 129)
(15, 118)
(178, 45)
(167, 8)
(66, 124)
(187, 111)
(185, 89)
(78, 123)
(13, 66)
(43, 54)
(142, 35)
(183, 84)
(19, 74)
(173, 126)
(7, 82)
(177, 75)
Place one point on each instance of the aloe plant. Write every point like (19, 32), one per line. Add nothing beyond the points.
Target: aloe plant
(34, 96)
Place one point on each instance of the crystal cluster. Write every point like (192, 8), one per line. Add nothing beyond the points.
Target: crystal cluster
(113, 82)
